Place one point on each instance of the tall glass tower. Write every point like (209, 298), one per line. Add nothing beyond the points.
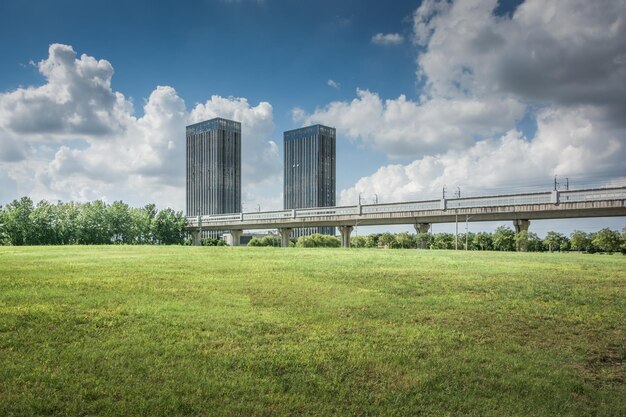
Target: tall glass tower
(310, 171)
(214, 167)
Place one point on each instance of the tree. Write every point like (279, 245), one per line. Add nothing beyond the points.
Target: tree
(535, 244)
(404, 240)
(483, 241)
(358, 241)
(142, 220)
(93, 227)
(120, 223)
(607, 240)
(504, 239)
(17, 222)
(556, 241)
(168, 227)
(371, 241)
(580, 241)
(67, 222)
(4, 238)
(443, 241)
(317, 240)
(387, 241)
(44, 225)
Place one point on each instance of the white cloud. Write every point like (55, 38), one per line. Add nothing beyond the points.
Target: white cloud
(568, 52)
(334, 84)
(560, 62)
(74, 138)
(401, 127)
(567, 141)
(76, 100)
(387, 39)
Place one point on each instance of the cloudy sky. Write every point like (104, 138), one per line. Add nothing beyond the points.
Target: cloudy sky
(484, 95)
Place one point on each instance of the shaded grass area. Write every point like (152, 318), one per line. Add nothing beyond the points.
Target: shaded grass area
(268, 331)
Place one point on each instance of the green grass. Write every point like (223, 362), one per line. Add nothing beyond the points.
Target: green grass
(263, 332)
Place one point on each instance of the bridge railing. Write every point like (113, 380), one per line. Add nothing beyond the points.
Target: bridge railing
(330, 211)
(593, 195)
(447, 204)
(268, 215)
(400, 207)
(495, 201)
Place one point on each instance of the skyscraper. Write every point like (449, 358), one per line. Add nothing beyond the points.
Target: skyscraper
(214, 167)
(310, 171)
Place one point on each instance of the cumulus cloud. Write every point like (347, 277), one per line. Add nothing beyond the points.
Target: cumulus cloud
(75, 138)
(77, 99)
(568, 52)
(559, 62)
(401, 127)
(387, 39)
(567, 141)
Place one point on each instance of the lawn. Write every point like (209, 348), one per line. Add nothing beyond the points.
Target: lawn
(128, 331)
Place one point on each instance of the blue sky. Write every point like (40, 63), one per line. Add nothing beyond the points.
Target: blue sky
(488, 96)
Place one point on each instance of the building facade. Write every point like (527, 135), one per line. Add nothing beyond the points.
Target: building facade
(310, 171)
(213, 167)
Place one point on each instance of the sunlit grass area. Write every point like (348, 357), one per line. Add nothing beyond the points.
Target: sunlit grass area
(131, 330)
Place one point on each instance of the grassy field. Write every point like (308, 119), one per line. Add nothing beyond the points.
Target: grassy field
(263, 332)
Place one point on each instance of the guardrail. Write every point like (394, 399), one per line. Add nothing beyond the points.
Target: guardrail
(553, 197)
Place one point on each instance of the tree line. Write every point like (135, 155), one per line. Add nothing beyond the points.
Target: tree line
(92, 223)
(95, 223)
(502, 239)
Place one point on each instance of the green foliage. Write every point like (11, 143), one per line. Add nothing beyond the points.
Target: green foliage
(423, 240)
(273, 241)
(172, 331)
(209, 241)
(93, 223)
(404, 241)
(167, 227)
(526, 241)
(358, 242)
(504, 239)
(387, 241)
(371, 241)
(556, 242)
(318, 240)
(17, 221)
(581, 241)
(607, 240)
(483, 241)
(443, 241)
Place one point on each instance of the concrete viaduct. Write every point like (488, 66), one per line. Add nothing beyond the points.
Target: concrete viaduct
(518, 208)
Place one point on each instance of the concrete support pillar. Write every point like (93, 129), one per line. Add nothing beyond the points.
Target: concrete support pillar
(196, 237)
(422, 228)
(284, 237)
(521, 225)
(345, 235)
(233, 239)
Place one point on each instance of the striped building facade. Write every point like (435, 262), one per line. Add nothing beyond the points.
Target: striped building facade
(213, 167)
(309, 171)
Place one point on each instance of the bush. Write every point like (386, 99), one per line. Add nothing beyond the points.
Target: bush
(317, 240)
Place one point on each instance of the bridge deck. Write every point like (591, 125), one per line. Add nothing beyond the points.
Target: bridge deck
(604, 202)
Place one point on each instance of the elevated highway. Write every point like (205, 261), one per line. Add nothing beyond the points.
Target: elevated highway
(519, 208)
